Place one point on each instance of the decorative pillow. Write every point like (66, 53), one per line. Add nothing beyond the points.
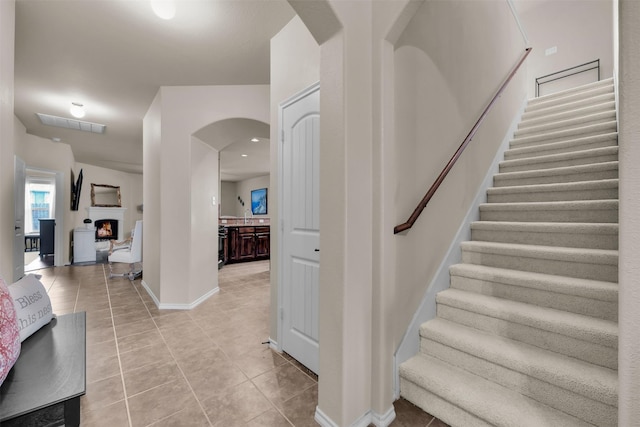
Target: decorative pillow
(33, 306)
(9, 334)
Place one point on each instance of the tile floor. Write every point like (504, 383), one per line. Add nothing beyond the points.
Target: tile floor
(203, 367)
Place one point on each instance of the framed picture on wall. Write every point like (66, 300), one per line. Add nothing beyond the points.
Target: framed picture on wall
(259, 201)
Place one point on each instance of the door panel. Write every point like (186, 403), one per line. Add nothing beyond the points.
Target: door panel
(20, 173)
(301, 227)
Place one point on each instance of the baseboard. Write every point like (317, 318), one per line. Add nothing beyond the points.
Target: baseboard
(190, 306)
(410, 344)
(274, 345)
(322, 419)
(383, 420)
(365, 419)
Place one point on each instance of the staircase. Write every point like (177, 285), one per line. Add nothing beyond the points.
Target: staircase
(527, 334)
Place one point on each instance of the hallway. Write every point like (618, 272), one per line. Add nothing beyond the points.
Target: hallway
(204, 367)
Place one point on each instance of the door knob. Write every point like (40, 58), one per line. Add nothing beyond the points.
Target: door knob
(316, 250)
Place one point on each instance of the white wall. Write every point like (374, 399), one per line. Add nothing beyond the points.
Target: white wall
(130, 191)
(243, 189)
(581, 30)
(56, 157)
(229, 198)
(7, 37)
(176, 114)
(204, 219)
(295, 65)
(629, 247)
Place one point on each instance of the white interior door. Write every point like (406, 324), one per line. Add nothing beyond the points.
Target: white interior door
(18, 206)
(300, 227)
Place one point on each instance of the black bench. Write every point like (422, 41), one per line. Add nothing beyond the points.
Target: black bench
(44, 386)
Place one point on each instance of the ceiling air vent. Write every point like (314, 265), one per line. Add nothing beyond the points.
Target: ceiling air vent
(62, 122)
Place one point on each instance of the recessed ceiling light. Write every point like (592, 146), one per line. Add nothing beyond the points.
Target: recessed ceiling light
(255, 140)
(77, 110)
(165, 9)
(244, 155)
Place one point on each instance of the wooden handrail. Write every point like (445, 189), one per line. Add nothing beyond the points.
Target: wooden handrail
(423, 203)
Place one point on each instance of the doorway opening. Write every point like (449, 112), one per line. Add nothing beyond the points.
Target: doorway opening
(39, 206)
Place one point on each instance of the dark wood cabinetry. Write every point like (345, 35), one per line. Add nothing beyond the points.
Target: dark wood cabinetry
(248, 243)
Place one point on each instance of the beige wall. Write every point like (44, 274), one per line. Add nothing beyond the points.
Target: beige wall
(441, 90)
(204, 219)
(7, 37)
(581, 30)
(230, 191)
(55, 157)
(176, 114)
(295, 65)
(130, 191)
(629, 142)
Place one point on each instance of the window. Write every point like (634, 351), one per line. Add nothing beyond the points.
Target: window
(39, 202)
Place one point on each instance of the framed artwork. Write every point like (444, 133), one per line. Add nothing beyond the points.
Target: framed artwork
(259, 201)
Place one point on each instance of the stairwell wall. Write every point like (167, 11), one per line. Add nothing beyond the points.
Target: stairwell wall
(449, 62)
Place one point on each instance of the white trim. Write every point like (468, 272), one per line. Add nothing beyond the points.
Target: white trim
(383, 420)
(273, 345)
(518, 23)
(410, 343)
(190, 306)
(322, 419)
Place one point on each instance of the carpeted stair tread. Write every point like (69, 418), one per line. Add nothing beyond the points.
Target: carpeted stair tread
(551, 111)
(559, 211)
(584, 328)
(582, 190)
(573, 145)
(579, 377)
(481, 398)
(588, 172)
(579, 111)
(565, 134)
(568, 97)
(566, 124)
(550, 161)
(597, 264)
(581, 235)
(573, 286)
(585, 88)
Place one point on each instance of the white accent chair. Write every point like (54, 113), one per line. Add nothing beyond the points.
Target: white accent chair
(128, 251)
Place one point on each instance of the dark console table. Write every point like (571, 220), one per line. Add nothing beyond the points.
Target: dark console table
(45, 384)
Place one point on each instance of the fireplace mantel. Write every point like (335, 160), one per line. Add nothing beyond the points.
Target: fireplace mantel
(95, 213)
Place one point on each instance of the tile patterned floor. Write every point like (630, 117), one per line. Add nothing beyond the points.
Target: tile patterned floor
(203, 367)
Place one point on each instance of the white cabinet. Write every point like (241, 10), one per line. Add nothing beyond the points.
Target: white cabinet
(84, 245)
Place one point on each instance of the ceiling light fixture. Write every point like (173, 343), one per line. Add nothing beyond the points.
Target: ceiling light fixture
(165, 9)
(255, 140)
(244, 155)
(77, 110)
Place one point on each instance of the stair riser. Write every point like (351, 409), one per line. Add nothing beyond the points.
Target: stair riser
(566, 215)
(550, 113)
(499, 181)
(550, 238)
(439, 407)
(563, 136)
(585, 98)
(574, 123)
(505, 167)
(600, 107)
(587, 351)
(545, 150)
(583, 270)
(589, 410)
(553, 196)
(574, 304)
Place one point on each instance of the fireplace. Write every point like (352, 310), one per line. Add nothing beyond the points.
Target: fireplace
(106, 229)
(115, 216)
